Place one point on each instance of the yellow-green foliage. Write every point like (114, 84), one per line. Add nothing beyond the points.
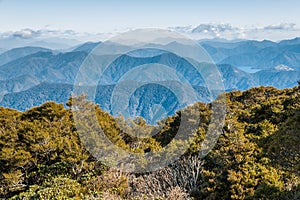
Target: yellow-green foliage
(256, 157)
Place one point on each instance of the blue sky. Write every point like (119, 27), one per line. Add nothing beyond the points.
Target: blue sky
(96, 16)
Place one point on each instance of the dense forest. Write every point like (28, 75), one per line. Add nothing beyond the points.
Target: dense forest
(257, 156)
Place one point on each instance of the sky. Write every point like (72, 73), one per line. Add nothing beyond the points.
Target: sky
(257, 19)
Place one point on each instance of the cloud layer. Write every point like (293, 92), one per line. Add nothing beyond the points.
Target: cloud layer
(281, 26)
(202, 31)
(40, 33)
(227, 31)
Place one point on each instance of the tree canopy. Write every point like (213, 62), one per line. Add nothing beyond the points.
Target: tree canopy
(257, 156)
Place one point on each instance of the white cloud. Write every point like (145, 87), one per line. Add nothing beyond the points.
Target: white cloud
(26, 33)
(181, 28)
(213, 28)
(227, 31)
(281, 26)
(46, 33)
(202, 31)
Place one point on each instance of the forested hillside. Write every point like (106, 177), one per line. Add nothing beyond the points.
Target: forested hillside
(257, 156)
(48, 75)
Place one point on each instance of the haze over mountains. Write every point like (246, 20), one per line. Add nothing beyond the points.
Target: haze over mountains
(29, 76)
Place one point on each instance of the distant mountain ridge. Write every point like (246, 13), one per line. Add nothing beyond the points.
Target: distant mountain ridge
(87, 47)
(17, 53)
(30, 76)
(46, 66)
(255, 54)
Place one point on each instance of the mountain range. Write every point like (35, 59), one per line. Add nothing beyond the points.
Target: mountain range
(255, 54)
(29, 76)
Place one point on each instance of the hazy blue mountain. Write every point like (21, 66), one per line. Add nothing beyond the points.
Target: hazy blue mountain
(87, 47)
(165, 101)
(235, 78)
(146, 53)
(160, 98)
(17, 84)
(294, 41)
(255, 54)
(126, 63)
(268, 57)
(54, 43)
(221, 43)
(38, 75)
(59, 71)
(45, 66)
(224, 51)
(2, 50)
(17, 53)
(37, 95)
(278, 77)
(288, 57)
